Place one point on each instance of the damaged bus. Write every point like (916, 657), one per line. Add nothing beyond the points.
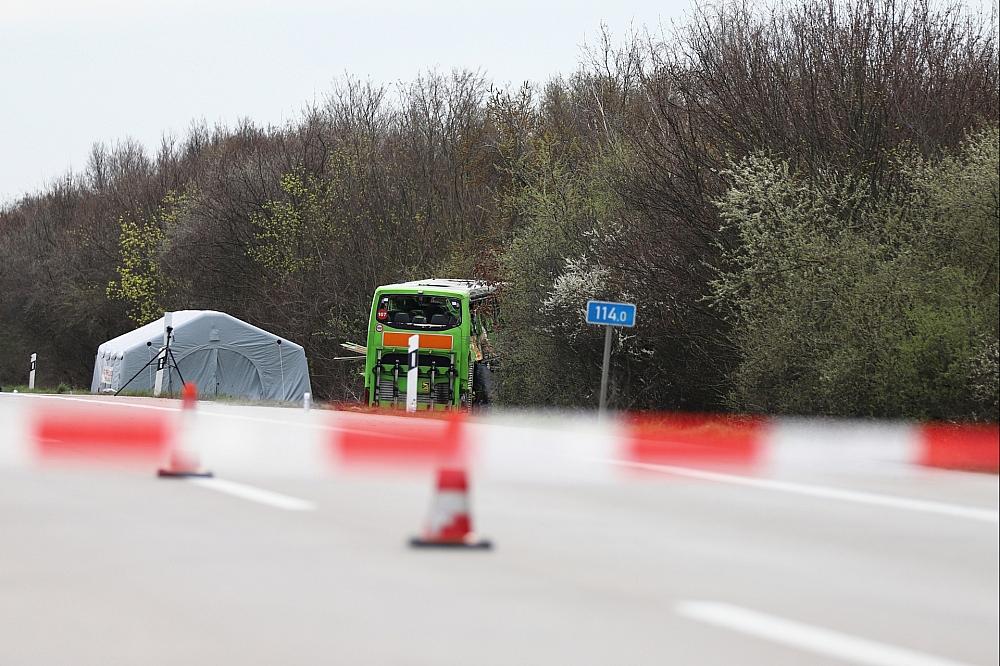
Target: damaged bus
(454, 320)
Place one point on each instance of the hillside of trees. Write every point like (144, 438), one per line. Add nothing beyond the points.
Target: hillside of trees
(803, 202)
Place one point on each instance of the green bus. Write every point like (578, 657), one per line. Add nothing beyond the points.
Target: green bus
(453, 319)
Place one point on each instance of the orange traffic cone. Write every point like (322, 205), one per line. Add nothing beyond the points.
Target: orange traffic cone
(450, 524)
(183, 462)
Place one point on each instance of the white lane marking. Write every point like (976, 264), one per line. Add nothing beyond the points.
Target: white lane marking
(208, 412)
(825, 492)
(255, 494)
(293, 413)
(806, 637)
(94, 401)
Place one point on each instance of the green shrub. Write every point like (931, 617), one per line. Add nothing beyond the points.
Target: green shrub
(847, 303)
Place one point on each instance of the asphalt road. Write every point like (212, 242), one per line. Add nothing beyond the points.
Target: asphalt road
(106, 566)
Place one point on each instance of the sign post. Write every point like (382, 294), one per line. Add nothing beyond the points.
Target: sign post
(609, 314)
(411, 374)
(605, 366)
(31, 372)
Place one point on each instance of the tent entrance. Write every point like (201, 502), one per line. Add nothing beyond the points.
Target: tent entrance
(221, 372)
(235, 375)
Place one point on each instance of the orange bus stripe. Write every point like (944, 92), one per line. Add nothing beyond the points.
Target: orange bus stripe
(427, 341)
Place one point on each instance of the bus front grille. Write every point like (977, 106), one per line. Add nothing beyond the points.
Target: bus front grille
(385, 394)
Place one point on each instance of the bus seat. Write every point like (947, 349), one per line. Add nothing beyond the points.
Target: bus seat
(439, 320)
(401, 318)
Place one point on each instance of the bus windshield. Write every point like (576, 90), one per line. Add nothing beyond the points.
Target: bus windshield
(419, 312)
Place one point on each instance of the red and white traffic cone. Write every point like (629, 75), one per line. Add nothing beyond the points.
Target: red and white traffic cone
(450, 523)
(183, 461)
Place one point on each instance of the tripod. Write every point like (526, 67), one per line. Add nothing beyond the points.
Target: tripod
(165, 360)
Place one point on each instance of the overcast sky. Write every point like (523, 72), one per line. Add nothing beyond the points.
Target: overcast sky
(78, 71)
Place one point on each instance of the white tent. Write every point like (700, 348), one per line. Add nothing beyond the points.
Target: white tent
(220, 354)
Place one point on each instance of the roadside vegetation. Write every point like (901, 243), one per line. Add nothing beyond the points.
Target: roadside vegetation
(803, 202)
(23, 388)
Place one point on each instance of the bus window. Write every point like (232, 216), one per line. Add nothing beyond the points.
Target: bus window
(416, 312)
(484, 322)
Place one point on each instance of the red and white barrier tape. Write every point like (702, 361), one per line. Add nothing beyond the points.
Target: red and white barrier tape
(229, 439)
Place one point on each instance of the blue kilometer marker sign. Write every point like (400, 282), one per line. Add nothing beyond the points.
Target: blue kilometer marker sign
(606, 313)
(610, 314)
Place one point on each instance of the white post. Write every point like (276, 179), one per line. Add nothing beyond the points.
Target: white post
(161, 358)
(411, 375)
(307, 401)
(31, 372)
(149, 350)
(281, 364)
(161, 362)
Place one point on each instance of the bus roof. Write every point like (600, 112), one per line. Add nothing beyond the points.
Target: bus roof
(472, 288)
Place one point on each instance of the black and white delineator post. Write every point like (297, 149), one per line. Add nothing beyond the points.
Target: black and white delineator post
(31, 372)
(411, 374)
(161, 358)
